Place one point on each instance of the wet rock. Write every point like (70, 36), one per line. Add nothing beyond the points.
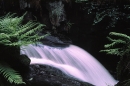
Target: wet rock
(43, 75)
(57, 40)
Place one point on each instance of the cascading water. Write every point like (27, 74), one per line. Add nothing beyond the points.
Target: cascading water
(72, 60)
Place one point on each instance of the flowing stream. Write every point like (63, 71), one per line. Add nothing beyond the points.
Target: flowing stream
(72, 60)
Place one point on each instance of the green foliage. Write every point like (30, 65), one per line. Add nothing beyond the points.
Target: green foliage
(110, 12)
(13, 33)
(122, 50)
(121, 47)
(10, 74)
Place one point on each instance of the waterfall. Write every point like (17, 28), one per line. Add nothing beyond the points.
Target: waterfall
(72, 60)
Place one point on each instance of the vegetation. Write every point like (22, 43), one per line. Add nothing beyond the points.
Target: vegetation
(13, 34)
(113, 12)
(120, 46)
(116, 16)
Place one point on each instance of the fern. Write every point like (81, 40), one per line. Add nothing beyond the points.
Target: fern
(120, 35)
(123, 50)
(15, 34)
(10, 74)
(124, 40)
(111, 51)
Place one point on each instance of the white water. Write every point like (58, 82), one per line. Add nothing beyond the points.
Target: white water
(73, 61)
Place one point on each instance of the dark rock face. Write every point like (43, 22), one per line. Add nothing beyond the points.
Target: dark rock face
(43, 75)
(56, 12)
(57, 40)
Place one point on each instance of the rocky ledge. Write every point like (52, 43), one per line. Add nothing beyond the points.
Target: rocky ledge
(44, 75)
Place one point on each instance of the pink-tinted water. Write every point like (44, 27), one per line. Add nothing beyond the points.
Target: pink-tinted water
(72, 60)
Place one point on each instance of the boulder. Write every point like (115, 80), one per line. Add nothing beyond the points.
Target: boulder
(44, 75)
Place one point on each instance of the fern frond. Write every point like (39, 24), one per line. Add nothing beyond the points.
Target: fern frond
(124, 40)
(122, 51)
(120, 35)
(9, 24)
(114, 43)
(111, 51)
(99, 17)
(4, 36)
(13, 33)
(8, 15)
(31, 31)
(26, 27)
(110, 45)
(5, 41)
(10, 74)
(116, 40)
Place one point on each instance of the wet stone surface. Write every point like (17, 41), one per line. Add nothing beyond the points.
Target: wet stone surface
(43, 75)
